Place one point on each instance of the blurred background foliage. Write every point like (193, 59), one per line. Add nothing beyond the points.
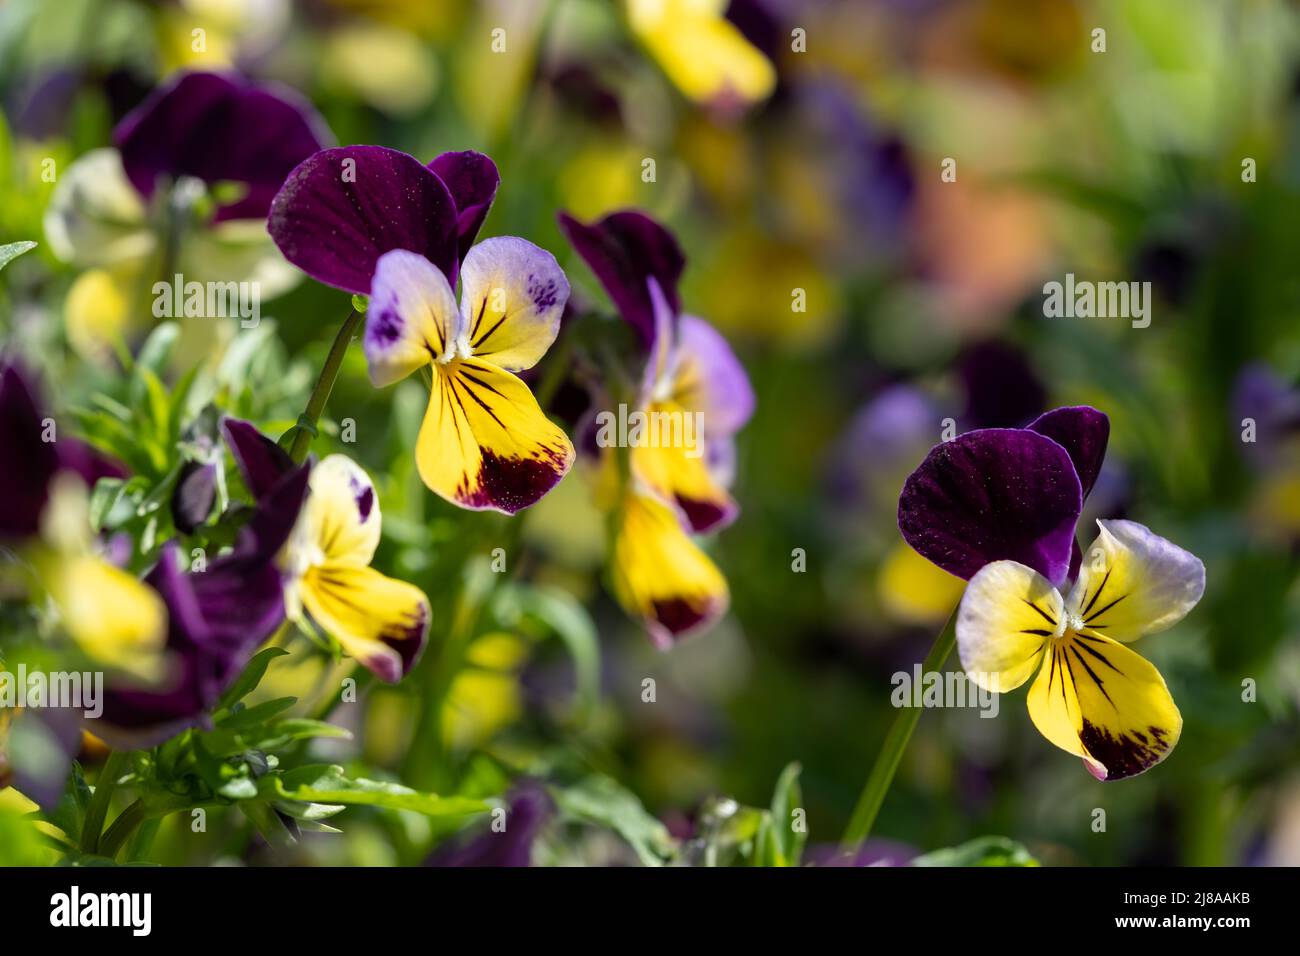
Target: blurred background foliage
(1119, 165)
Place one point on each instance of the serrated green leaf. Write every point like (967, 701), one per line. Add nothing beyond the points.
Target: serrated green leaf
(329, 784)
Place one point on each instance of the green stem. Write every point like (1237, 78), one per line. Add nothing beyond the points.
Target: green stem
(306, 426)
(114, 767)
(891, 752)
(122, 828)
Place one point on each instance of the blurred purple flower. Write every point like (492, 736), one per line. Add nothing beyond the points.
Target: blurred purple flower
(1263, 397)
(219, 128)
(29, 461)
(530, 810)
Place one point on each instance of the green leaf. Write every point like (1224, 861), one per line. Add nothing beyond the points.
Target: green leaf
(328, 784)
(600, 801)
(11, 251)
(157, 348)
(258, 714)
(563, 615)
(22, 842)
(982, 851)
(251, 677)
(785, 801)
(107, 493)
(299, 728)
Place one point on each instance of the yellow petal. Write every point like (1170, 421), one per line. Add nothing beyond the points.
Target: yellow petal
(670, 459)
(341, 520)
(660, 575)
(702, 52)
(96, 313)
(380, 621)
(1133, 582)
(512, 296)
(114, 617)
(485, 442)
(1008, 614)
(1099, 700)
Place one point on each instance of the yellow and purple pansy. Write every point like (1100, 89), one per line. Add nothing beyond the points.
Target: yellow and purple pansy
(690, 368)
(659, 574)
(998, 507)
(373, 220)
(324, 563)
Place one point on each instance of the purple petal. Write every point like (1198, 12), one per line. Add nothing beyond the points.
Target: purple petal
(624, 250)
(991, 495)
(217, 618)
(530, 809)
(1261, 395)
(721, 387)
(217, 128)
(194, 495)
(1083, 432)
(343, 208)
(55, 734)
(472, 180)
(27, 463)
(261, 461)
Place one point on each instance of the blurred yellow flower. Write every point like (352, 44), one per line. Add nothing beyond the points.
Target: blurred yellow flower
(703, 53)
(485, 695)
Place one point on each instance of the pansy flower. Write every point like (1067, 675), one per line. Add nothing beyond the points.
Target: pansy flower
(329, 585)
(691, 372)
(185, 189)
(368, 219)
(675, 488)
(999, 508)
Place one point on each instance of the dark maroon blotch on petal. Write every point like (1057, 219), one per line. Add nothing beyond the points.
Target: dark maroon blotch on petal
(512, 484)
